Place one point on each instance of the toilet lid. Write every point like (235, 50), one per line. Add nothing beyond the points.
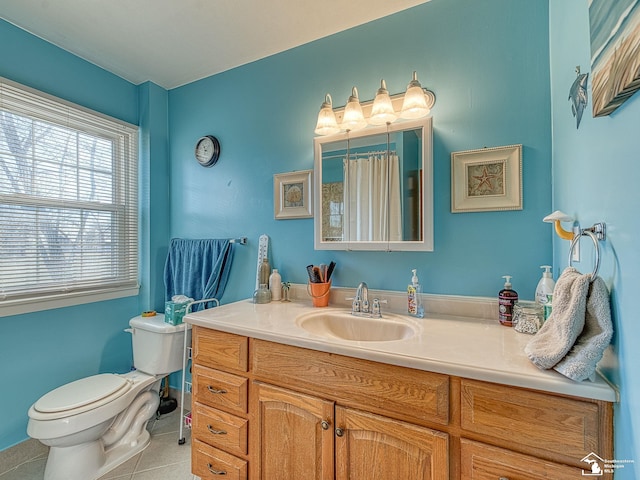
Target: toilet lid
(81, 392)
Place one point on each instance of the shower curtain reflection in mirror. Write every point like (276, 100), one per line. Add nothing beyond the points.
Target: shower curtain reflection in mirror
(373, 197)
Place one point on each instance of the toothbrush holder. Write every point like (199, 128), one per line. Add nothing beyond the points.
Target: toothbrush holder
(319, 293)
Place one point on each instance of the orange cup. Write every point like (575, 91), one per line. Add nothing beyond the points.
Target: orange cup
(319, 293)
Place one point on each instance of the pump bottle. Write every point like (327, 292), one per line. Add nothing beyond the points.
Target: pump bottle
(507, 298)
(544, 290)
(414, 297)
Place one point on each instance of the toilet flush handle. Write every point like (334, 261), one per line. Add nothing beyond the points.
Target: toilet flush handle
(129, 330)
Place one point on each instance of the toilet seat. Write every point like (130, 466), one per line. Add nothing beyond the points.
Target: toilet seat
(82, 395)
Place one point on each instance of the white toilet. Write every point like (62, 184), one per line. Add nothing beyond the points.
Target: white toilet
(94, 424)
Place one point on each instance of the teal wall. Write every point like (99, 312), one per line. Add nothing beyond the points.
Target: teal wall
(42, 350)
(596, 178)
(501, 72)
(488, 65)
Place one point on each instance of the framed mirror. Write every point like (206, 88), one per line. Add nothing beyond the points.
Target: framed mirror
(374, 188)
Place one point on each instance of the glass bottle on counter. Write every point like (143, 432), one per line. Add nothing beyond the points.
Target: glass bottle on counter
(265, 272)
(262, 295)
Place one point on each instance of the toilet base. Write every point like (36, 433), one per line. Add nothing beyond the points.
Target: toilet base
(89, 460)
(127, 437)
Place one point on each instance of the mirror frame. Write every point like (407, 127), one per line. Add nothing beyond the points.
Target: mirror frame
(424, 245)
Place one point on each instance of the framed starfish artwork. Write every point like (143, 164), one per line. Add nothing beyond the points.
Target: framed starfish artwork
(486, 179)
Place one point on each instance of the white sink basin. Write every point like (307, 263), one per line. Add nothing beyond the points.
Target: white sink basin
(343, 325)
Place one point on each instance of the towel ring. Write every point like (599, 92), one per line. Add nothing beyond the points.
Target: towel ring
(596, 244)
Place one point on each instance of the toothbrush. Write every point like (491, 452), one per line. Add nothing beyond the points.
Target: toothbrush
(311, 273)
(332, 265)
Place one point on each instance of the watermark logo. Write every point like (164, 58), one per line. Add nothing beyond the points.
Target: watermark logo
(598, 466)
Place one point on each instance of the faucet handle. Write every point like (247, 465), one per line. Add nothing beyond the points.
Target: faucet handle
(355, 304)
(375, 308)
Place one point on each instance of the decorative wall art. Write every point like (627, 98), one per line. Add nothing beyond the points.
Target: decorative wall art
(615, 53)
(292, 195)
(486, 179)
(578, 95)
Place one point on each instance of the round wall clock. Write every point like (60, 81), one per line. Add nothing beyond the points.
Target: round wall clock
(207, 151)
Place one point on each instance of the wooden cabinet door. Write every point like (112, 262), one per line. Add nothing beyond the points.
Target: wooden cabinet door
(371, 447)
(485, 462)
(295, 435)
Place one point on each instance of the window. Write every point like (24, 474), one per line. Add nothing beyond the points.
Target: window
(68, 203)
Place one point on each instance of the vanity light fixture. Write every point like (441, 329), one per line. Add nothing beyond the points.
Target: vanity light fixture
(327, 124)
(416, 102)
(353, 117)
(382, 110)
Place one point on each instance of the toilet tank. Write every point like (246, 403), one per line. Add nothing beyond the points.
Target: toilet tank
(158, 346)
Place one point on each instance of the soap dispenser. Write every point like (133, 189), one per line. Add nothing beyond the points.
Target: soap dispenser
(414, 297)
(507, 298)
(544, 290)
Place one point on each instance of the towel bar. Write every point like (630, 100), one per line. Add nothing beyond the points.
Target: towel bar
(596, 232)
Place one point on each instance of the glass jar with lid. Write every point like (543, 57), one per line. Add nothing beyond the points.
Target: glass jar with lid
(262, 294)
(527, 317)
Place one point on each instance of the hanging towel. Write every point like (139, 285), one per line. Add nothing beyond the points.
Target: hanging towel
(580, 362)
(559, 333)
(198, 269)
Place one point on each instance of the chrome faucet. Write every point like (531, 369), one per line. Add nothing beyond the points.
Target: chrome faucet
(361, 301)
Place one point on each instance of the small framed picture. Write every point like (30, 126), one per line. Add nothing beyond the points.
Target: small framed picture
(487, 179)
(293, 195)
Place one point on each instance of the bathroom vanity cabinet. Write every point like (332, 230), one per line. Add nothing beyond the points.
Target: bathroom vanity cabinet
(270, 411)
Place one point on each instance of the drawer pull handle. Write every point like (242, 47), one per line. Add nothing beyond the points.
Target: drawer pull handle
(215, 472)
(503, 478)
(339, 432)
(216, 390)
(325, 424)
(216, 432)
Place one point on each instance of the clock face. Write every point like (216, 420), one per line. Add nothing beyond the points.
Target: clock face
(207, 151)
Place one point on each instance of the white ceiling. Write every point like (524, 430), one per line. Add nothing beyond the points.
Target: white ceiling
(174, 42)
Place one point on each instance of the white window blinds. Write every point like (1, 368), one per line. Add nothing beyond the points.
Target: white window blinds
(68, 200)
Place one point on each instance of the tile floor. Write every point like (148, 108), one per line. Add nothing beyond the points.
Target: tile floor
(162, 459)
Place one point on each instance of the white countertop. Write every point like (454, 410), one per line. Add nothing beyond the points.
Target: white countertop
(476, 348)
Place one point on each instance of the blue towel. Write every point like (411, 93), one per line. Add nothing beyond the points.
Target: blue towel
(198, 269)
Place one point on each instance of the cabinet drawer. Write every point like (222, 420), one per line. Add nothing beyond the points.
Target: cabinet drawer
(220, 429)
(210, 463)
(219, 389)
(524, 420)
(220, 349)
(403, 393)
(483, 462)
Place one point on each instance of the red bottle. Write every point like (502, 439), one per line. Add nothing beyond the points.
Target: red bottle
(507, 298)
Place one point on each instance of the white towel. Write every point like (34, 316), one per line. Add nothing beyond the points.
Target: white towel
(580, 363)
(559, 333)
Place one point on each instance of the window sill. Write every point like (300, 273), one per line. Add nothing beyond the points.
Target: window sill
(17, 307)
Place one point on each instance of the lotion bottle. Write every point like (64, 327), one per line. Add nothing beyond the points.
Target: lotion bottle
(507, 298)
(544, 290)
(275, 285)
(414, 293)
